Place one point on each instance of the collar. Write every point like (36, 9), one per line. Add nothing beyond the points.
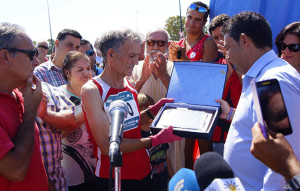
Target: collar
(50, 66)
(259, 64)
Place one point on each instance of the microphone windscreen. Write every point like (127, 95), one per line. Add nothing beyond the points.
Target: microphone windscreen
(118, 104)
(184, 179)
(209, 166)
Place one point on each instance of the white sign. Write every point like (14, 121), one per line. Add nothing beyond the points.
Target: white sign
(181, 34)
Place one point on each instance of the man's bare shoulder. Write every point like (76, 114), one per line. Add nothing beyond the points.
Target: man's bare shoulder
(88, 89)
(209, 42)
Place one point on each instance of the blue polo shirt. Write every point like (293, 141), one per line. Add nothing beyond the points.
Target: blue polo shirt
(255, 175)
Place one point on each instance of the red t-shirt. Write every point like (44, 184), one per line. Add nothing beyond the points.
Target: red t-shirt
(196, 52)
(11, 115)
(231, 94)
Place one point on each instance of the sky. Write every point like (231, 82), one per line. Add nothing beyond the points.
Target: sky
(91, 18)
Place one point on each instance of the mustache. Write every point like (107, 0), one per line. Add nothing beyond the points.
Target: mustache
(154, 51)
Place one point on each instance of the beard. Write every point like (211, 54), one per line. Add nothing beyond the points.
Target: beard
(153, 53)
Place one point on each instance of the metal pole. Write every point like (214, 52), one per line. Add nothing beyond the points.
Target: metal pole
(117, 178)
(180, 17)
(137, 22)
(50, 25)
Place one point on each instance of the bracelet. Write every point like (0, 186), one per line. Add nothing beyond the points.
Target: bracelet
(229, 114)
(293, 184)
(149, 114)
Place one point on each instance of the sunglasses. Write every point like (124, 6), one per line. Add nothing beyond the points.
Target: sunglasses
(30, 53)
(44, 47)
(291, 47)
(197, 8)
(90, 52)
(159, 43)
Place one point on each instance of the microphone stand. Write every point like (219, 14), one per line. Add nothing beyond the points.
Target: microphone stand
(116, 161)
(118, 111)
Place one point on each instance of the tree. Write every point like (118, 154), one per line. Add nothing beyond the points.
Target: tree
(51, 46)
(173, 27)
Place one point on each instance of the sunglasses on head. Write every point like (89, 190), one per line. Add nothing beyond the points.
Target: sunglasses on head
(44, 47)
(30, 53)
(90, 52)
(197, 8)
(291, 47)
(159, 43)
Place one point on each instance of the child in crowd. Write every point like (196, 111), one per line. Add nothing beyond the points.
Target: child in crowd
(158, 155)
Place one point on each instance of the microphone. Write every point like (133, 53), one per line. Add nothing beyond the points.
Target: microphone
(214, 173)
(184, 179)
(226, 184)
(118, 110)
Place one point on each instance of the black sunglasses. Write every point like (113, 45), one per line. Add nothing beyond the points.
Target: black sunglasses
(90, 52)
(159, 43)
(291, 47)
(30, 53)
(197, 8)
(44, 47)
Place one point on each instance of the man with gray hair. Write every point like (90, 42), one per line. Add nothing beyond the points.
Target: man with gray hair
(43, 48)
(120, 50)
(152, 75)
(21, 166)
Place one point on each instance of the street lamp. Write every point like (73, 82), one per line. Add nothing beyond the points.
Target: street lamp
(180, 17)
(50, 27)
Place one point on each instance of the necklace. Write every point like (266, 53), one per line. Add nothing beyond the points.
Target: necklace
(70, 89)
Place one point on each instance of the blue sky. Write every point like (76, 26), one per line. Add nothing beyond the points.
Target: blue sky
(91, 18)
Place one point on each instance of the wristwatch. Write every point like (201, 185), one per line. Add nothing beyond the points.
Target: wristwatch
(293, 184)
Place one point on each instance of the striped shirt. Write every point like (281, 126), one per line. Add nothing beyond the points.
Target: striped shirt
(50, 138)
(48, 72)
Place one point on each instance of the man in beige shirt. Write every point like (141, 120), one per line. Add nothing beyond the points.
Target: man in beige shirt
(152, 77)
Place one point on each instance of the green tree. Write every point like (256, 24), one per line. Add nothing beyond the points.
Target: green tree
(173, 27)
(51, 45)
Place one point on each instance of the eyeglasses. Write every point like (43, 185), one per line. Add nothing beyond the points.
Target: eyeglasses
(197, 8)
(291, 47)
(90, 52)
(159, 43)
(44, 47)
(30, 53)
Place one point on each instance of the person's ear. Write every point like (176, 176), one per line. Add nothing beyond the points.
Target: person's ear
(56, 43)
(67, 73)
(110, 52)
(244, 40)
(4, 56)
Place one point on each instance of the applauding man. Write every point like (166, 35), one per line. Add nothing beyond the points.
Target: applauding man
(152, 75)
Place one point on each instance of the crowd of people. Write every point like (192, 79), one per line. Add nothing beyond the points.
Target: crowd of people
(54, 111)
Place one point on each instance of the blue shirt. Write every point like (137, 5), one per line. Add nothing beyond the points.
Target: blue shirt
(255, 175)
(98, 70)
